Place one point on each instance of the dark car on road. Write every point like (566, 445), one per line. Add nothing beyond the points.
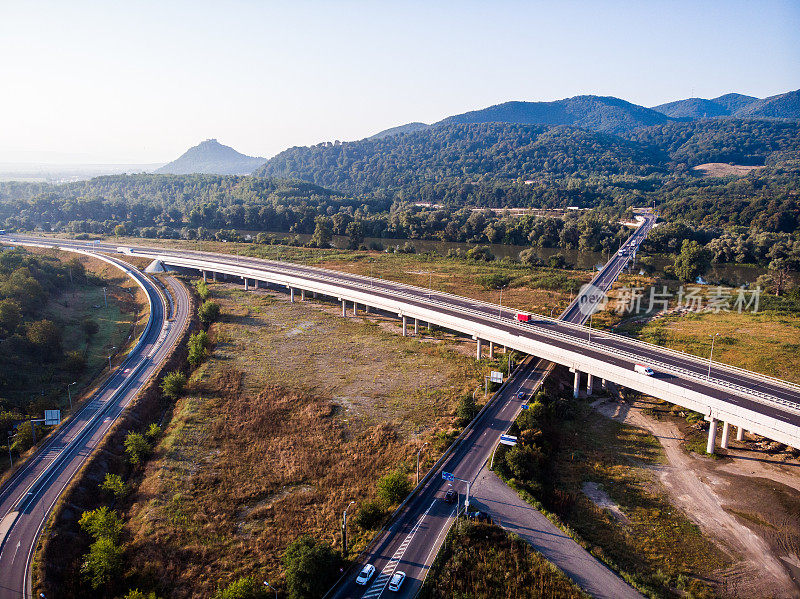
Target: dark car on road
(451, 496)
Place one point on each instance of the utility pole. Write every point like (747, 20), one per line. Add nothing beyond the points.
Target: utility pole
(344, 529)
(711, 355)
(105, 297)
(418, 451)
(500, 313)
(70, 394)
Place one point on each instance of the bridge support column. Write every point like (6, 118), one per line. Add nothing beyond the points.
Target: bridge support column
(291, 294)
(246, 285)
(712, 436)
(726, 431)
(255, 283)
(480, 348)
(205, 276)
(740, 433)
(302, 295)
(491, 350)
(589, 384)
(214, 276)
(344, 309)
(355, 309)
(576, 385)
(366, 309)
(405, 325)
(314, 294)
(416, 327)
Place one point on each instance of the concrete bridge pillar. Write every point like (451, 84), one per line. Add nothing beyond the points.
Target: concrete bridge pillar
(491, 350)
(366, 309)
(291, 294)
(205, 276)
(726, 431)
(302, 295)
(589, 384)
(344, 308)
(214, 276)
(314, 294)
(255, 283)
(479, 348)
(712, 436)
(405, 325)
(246, 286)
(576, 385)
(416, 327)
(740, 433)
(355, 309)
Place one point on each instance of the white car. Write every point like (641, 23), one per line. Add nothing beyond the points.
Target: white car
(366, 573)
(642, 369)
(397, 581)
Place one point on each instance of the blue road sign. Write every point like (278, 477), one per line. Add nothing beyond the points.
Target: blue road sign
(448, 476)
(508, 440)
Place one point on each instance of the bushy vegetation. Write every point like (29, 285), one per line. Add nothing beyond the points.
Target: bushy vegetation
(393, 487)
(103, 563)
(311, 567)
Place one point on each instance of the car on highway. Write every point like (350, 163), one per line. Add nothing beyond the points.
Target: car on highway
(450, 496)
(521, 395)
(365, 574)
(397, 581)
(642, 369)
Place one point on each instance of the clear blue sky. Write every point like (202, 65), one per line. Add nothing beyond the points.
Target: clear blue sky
(142, 81)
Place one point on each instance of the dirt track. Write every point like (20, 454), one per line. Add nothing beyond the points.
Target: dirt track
(721, 496)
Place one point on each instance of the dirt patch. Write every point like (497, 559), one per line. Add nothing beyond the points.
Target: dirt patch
(723, 169)
(742, 504)
(602, 500)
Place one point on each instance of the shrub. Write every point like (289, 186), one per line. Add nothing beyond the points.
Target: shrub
(198, 343)
(495, 280)
(369, 515)
(114, 485)
(393, 487)
(102, 522)
(480, 252)
(137, 594)
(525, 462)
(103, 564)
(137, 448)
(242, 588)
(466, 410)
(311, 567)
(202, 289)
(209, 312)
(74, 362)
(172, 384)
(153, 432)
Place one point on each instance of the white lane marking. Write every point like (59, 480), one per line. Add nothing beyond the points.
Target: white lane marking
(15, 552)
(380, 583)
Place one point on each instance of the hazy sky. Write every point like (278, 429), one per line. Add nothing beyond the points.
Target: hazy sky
(142, 81)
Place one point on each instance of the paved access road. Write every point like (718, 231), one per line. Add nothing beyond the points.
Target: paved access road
(27, 498)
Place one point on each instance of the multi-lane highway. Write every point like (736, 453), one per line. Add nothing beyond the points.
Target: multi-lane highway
(29, 495)
(763, 404)
(412, 540)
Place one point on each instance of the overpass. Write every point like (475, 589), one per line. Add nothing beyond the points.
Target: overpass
(750, 401)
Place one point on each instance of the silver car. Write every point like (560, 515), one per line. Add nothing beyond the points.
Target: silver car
(366, 573)
(397, 581)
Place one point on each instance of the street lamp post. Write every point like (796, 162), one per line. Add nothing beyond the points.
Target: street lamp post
(711, 355)
(110, 353)
(344, 529)
(69, 394)
(269, 586)
(418, 451)
(551, 311)
(105, 297)
(590, 327)
(500, 313)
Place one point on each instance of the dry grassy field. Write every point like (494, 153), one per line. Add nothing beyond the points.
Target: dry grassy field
(297, 412)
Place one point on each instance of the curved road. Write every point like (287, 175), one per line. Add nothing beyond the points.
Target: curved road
(28, 496)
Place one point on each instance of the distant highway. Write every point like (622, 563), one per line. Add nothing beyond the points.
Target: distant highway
(27, 498)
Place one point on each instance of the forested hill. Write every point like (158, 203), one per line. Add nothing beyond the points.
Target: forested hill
(596, 113)
(507, 152)
(782, 106)
(211, 157)
(469, 153)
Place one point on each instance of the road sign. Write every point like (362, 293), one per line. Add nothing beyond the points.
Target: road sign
(52, 417)
(525, 406)
(508, 440)
(448, 476)
(496, 377)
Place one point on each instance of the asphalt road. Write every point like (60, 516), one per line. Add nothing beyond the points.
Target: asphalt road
(26, 499)
(413, 539)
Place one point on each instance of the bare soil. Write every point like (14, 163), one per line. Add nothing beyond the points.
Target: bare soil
(748, 502)
(723, 169)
